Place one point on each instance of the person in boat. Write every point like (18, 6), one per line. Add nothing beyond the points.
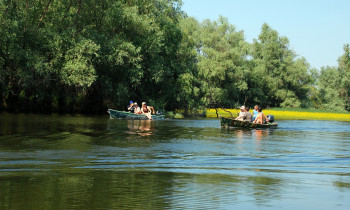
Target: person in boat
(147, 110)
(255, 112)
(241, 115)
(131, 107)
(137, 109)
(248, 115)
(260, 118)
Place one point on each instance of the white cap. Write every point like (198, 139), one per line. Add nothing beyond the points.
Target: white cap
(242, 107)
(143, 103)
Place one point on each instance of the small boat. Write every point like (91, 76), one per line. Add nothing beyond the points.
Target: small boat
(230, 122)
(115, 114)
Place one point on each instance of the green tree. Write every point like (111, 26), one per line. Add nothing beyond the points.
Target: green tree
(283, 77)
(222, 63)
(188, 84)
(334, 84)
(328, 84)
(344, 68)
(75, 55)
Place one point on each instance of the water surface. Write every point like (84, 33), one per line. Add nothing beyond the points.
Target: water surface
(91, 162)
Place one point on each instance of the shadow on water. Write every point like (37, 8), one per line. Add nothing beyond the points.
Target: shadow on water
(132, 190)
(33, 132)
(87, 190)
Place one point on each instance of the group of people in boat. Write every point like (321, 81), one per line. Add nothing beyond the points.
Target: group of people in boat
(257, 116)
(144, 109)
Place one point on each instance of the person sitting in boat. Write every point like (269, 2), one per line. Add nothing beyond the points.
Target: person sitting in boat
(131, 107)
(248, 115)
(260, 118)
(147, 110)
(137, 109)
(255, 112)
(241, 115)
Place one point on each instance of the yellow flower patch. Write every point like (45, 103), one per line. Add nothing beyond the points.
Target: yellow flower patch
(278, 114)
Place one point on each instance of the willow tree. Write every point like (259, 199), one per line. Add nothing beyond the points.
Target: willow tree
(334, 84)
(344, 68)
(222, 63)
(280, 77)
(87, 55)
(188, 83)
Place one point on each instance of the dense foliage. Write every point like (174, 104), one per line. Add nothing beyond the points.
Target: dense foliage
(334, 84)
(85, 56)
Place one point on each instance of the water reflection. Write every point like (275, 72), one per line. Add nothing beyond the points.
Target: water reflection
(141, 127)
(244, 134)
(342, 184)
(259, 134)
(87, 190)
(133, 190)
(65, 162)
(134, 127)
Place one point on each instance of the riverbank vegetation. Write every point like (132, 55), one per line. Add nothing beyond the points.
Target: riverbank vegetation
(87, 56)
(280, 114)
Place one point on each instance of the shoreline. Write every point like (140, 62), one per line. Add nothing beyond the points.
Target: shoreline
(287, 115)
(278, 113)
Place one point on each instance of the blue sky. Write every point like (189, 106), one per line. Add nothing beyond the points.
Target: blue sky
(316, 29)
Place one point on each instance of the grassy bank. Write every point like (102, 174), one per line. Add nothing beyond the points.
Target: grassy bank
(297, 114)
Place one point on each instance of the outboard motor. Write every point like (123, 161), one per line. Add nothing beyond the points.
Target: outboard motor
(271, 118)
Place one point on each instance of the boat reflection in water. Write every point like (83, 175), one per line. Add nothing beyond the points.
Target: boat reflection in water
(141, 127)
(133, 127)
(241, 134)
(258, 134)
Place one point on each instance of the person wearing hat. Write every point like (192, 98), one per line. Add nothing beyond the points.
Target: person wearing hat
(242, 114)
(131, 107)
(137, 109)
(147, 110)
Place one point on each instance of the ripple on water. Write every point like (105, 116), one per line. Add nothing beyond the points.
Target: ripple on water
(95, 163)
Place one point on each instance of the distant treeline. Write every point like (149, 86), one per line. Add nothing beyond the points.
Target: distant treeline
(87, 56)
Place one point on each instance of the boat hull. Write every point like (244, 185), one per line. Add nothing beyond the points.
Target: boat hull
(229, 122)
(115, 114)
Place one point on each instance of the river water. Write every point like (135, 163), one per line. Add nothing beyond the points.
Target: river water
(92, 162)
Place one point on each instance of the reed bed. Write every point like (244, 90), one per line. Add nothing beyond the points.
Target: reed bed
(284, 114)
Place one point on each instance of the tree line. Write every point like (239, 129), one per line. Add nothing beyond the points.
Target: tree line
(87, 56)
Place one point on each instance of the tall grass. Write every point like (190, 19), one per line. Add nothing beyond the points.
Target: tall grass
(297, 114)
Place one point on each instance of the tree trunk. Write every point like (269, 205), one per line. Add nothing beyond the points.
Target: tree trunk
(44, 12)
